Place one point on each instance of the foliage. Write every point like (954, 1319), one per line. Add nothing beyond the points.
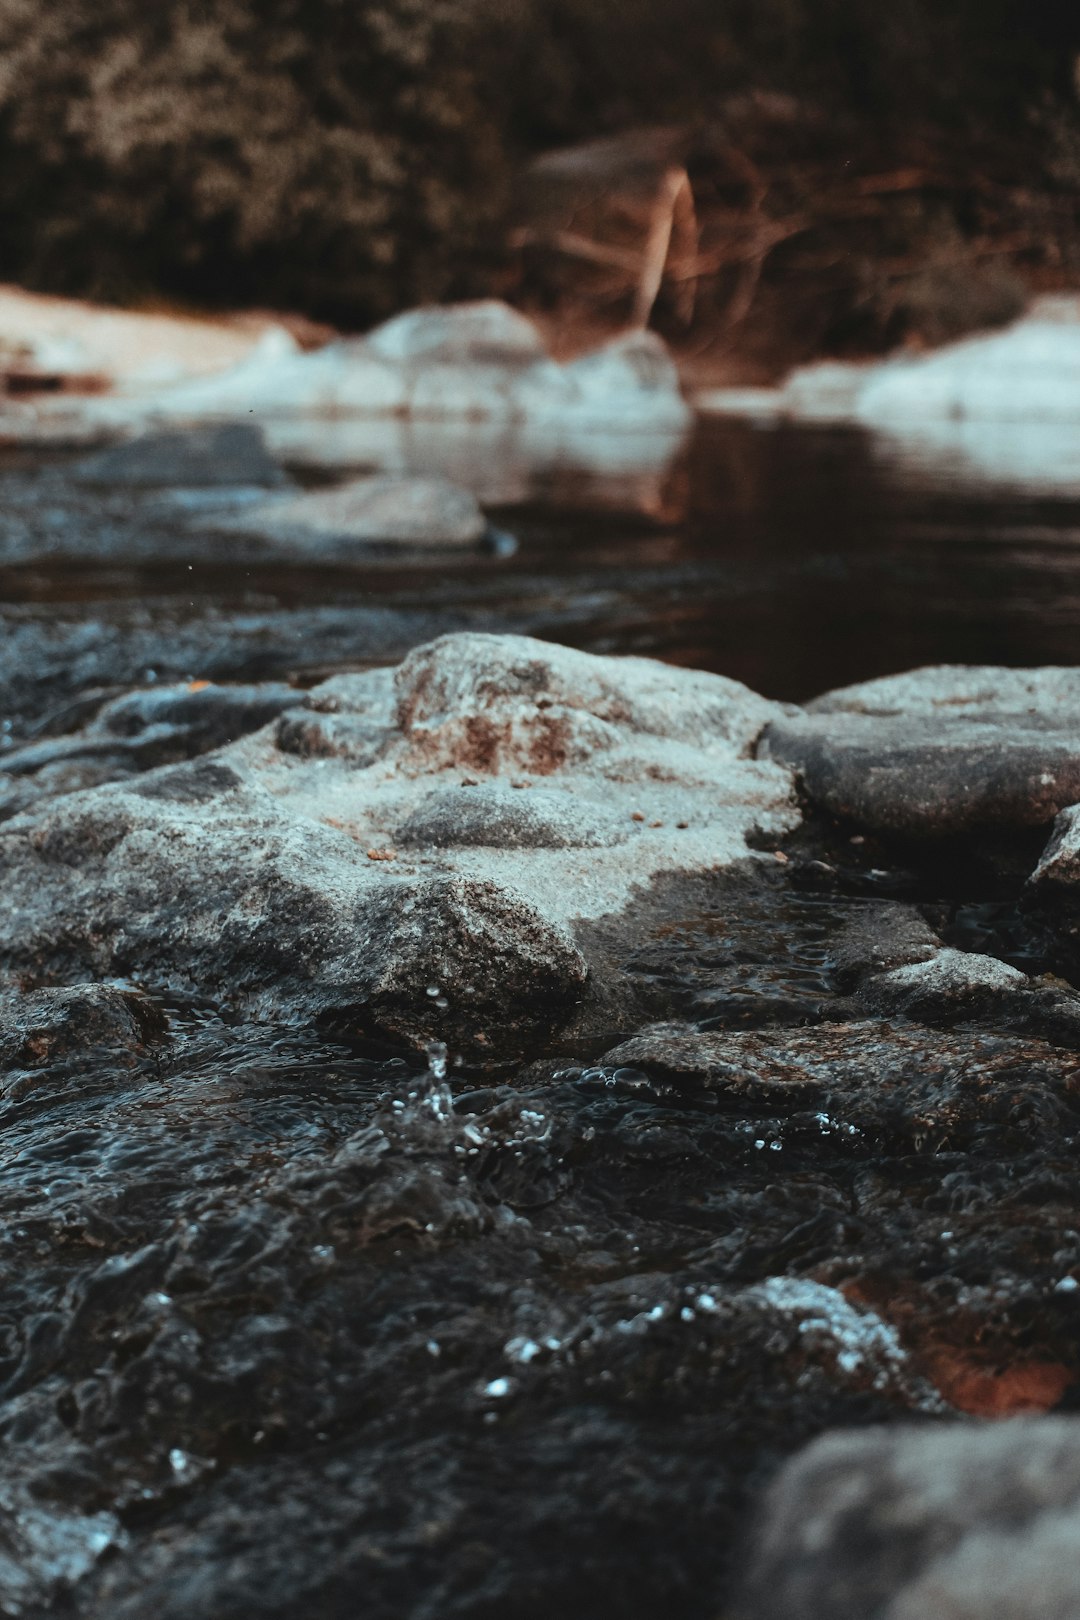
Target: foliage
(353, 156)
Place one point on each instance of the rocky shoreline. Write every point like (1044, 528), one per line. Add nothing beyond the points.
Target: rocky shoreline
(510, 1101)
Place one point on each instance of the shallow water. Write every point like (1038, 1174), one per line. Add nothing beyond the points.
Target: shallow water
(792, 558)
(281, 1321)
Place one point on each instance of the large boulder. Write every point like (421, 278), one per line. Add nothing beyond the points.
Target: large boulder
(940, 752)
(950, 1523)
(320, 868)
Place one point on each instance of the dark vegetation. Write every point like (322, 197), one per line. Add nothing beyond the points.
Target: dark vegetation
(903, 165)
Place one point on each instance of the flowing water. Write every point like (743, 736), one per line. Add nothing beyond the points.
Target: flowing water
(283, 1320)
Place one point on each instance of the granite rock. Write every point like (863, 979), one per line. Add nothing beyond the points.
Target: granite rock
(955, 1523)
(940, 752)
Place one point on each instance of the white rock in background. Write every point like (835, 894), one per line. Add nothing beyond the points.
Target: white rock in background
(485, 330)
(134, 352)
(1001, 408)
(479, 361)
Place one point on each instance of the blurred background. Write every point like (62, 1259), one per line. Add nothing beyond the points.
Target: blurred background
(851, 175)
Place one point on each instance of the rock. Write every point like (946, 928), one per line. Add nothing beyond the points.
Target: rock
(950, 983)
(155, 726)
(940, 752)
(85, 346)
(57, 666)
(482, 332)
(484, 815)
(479, 361)
(268, 872)
(861, 1084)
(880, 937)
(1047, 697)
(200, 458)
(998, 409)
(957, 1523)
(505, 702)
(390, 510)
(40, 1027)
(1054, 886)
(467, 963)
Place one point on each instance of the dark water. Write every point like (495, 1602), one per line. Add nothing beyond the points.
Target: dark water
(792, 558)
(284, 1321)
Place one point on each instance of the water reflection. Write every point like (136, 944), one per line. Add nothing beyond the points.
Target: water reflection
(792, 557)
(502, 463)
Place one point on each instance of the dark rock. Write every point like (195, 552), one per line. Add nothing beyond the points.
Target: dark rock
(940, 752)
(136, 732)
(932, 1524)
(504, 818)
(199, 458)
(467, 963)
(1053, 890)
(863, 1082)
(880, 937)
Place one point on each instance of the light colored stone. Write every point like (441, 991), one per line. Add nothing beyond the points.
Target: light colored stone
(389, 510)
(267, 871)
(966, 1522)
(1047, 696)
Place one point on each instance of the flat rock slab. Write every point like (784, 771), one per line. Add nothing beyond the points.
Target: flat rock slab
(269, 873)
(860, 1083)
(940, 752)
(956, 1523)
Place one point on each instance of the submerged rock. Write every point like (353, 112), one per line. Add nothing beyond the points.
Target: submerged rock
(932, 1524)
(940, 752)
(388, 510)
(38, 1028)
(200, 458)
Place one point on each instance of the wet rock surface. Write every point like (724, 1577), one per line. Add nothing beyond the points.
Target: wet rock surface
(271, 867)
(462, 1136)
(941, 752)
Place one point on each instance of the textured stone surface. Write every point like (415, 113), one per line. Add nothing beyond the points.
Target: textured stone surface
(141, 729)
(941, 751)
(267, 873)
(932, 1524)
(1053, 889)
(40, 1028)
(504, 818)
